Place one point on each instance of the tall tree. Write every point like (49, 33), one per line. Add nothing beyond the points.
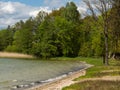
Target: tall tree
(71, 13)
(23, 37)
(101, 7)
(39, 19)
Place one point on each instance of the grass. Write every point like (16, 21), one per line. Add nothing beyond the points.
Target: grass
(93, 61)
(98, 70)
(95, 85)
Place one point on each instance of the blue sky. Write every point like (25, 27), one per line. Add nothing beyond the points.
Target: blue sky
(41, 2)
(28, 2)
(12, 11)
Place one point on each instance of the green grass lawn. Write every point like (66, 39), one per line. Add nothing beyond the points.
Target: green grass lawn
(98, 70)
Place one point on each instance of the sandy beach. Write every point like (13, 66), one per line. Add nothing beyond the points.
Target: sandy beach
(67, 81)
(14, 55)
(60, 83)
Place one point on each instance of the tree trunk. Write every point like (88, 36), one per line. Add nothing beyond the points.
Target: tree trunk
(106, 44)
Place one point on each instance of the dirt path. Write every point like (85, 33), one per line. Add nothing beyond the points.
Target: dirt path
(107, 78)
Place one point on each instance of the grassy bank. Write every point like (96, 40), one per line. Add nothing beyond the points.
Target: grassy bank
(97, 71)
(95, 85)
(100, 70)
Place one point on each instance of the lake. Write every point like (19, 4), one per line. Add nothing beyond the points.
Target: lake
(15, 72)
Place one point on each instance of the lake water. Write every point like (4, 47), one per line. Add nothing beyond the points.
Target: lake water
(15, 72)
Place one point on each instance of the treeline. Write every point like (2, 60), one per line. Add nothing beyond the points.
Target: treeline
(62, 33)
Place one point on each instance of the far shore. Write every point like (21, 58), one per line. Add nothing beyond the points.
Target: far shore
(15, 55)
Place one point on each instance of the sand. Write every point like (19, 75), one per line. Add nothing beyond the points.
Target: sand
(60, 83)
(14, 55)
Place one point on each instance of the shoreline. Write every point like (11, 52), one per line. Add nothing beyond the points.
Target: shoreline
(15, 55)
(59, 83)
(56, 83)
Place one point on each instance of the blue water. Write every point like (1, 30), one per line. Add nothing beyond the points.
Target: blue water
(19, 72)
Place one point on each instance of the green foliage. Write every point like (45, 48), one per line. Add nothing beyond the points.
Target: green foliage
(67, 36)
(6, 38)
(115, 27)
(85, 50)
(12, 48)
(23, 40)
(71, 13)
(92, 38)
(56, 36)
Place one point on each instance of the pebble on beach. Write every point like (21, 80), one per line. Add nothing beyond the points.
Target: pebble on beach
(14, 87)
(32, 83)
(14, 80)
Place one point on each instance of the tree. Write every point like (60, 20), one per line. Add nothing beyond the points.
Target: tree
(19, 25)
(23, 37)
(38, 20)
(91, 38)
(115, 26)
(23, 41)
(6, 38)
(101, 7)
(57, 35)
(71, 13)
(67, 36)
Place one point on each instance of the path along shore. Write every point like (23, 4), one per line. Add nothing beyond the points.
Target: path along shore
(60, 83)
(68, 80)
(63, 82)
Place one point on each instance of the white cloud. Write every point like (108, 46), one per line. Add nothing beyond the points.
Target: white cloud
(12, 12)
(7, 7)
(82, 8)
(35, 12)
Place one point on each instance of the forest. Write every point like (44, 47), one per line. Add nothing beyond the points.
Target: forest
(65, 32)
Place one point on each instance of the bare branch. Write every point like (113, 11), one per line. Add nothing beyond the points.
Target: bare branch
(87, 2)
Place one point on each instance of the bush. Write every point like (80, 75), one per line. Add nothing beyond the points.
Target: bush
(12, 48)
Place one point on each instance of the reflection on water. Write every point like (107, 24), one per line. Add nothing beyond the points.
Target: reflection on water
(16, 72)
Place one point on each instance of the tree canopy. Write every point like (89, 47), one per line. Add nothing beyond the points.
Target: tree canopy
(63, 33)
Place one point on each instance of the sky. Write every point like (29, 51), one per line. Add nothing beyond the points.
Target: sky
(12, 11)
